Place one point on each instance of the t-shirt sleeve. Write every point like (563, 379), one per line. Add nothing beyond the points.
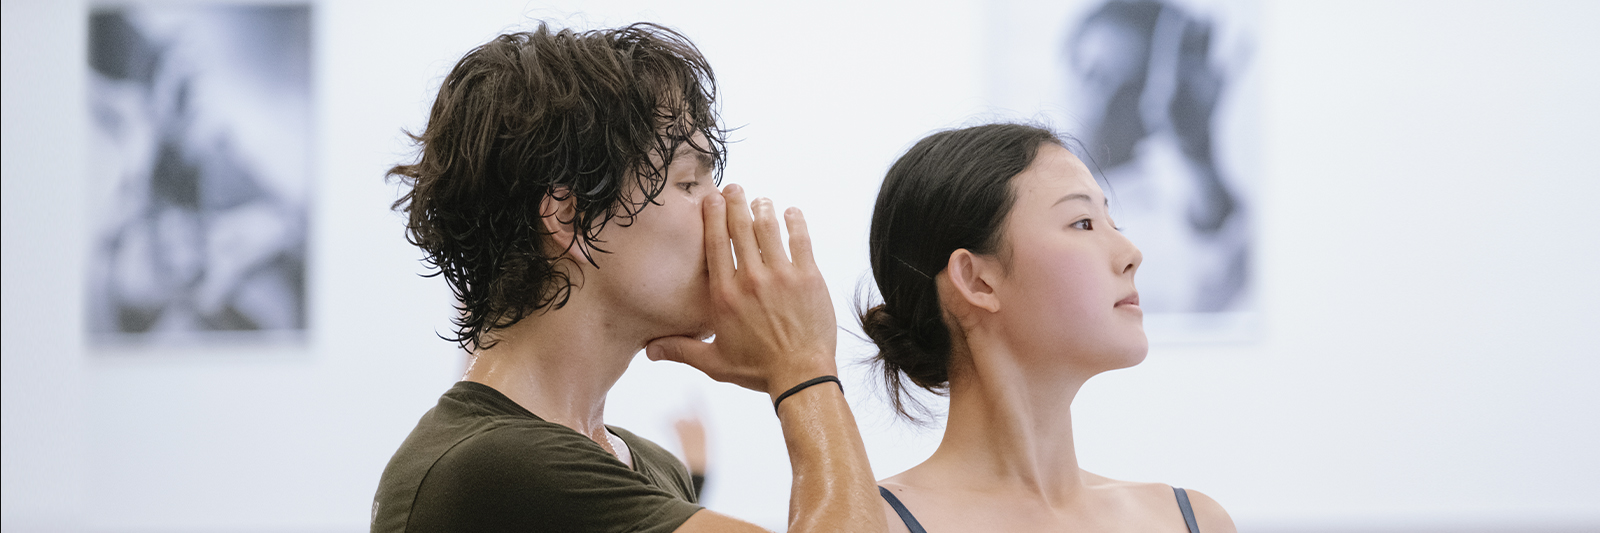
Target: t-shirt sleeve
(529, 479)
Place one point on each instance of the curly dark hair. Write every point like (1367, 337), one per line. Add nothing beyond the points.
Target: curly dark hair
(950, 191)
(591, 116)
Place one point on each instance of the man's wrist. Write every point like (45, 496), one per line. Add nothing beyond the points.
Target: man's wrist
(786, 380)
(777, 405)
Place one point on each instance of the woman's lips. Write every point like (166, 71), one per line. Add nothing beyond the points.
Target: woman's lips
(1132, 300)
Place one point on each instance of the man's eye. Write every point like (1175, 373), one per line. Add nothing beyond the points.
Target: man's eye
(688, 186)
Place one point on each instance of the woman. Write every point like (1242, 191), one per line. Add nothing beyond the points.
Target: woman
(1006, 285)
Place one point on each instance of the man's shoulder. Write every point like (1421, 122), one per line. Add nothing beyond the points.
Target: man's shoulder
(513, 475)
(477, 462)
(521, 445)
(470, 432)
(477, 430)
(475, 416)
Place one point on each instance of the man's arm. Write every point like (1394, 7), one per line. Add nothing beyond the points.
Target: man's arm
(774, 325)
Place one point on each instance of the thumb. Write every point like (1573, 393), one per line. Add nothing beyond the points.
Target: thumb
(680, 349)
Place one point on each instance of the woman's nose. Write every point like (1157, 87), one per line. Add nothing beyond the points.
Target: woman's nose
(1131, 258)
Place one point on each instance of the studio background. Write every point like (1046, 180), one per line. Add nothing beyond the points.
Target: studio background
(1426, 250)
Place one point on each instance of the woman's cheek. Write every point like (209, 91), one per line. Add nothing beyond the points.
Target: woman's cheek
(1059, 297)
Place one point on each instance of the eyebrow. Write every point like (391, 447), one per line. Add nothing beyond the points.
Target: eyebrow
(1078, 196)
(686, 149)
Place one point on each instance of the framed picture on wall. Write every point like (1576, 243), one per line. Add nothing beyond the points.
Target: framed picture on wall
(200, 162)
(1161, 99)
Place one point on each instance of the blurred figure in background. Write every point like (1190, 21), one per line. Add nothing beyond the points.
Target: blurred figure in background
(692, 438)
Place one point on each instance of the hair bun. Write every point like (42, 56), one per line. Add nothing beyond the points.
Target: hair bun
(902, 349)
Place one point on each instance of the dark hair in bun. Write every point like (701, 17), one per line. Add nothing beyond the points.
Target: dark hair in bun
(951, 191)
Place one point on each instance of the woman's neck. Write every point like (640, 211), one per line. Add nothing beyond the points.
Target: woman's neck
(1009, 429)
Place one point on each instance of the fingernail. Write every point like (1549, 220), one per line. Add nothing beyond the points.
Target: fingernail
(653, 352)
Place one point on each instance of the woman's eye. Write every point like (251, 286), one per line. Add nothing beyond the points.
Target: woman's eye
(688, 186)
(1084, 224)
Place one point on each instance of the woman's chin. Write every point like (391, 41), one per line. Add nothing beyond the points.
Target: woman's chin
(1136, 358)
(1135, 352)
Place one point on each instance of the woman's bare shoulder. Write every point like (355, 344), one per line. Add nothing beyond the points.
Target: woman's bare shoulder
(895, 485)
(1139, 489)
(1209, 514)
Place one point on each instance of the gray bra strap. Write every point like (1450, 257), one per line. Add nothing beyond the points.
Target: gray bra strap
(1188, 511)
(900, 509)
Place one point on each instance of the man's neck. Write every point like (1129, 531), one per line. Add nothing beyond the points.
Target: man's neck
(559, 364)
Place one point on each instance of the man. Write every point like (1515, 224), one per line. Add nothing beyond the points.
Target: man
(566, 191)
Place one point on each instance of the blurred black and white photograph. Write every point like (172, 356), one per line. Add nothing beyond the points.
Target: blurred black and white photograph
(1157, 94)
(200, 171)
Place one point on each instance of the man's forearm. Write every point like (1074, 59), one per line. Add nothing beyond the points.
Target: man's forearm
(833, 488)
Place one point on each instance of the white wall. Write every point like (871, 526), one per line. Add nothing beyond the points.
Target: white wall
(1428, 258)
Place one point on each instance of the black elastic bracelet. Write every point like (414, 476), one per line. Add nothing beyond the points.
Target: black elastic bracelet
(802, 386)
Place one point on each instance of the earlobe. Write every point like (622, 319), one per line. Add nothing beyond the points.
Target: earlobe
(969, 276)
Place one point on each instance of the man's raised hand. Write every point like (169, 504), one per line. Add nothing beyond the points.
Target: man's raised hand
(771, 312)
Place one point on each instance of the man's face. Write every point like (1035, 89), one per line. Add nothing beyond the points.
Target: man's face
(654, 277)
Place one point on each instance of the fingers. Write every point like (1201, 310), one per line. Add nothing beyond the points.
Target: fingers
(799, 238)
(766, 229)
(745, 248)
(719, 255)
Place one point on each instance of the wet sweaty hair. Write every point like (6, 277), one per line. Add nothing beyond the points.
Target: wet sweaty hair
(594, 117)
(950, 191)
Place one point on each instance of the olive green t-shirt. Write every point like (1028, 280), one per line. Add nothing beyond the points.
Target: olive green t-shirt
(479, 462)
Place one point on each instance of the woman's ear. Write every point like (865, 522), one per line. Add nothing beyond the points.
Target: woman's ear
(557, 212)
(972, 276)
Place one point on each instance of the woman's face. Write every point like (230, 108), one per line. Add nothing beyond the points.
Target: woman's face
(1066, 289)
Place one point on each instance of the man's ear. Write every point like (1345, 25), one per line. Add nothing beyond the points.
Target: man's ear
(973, 276)
(557, 211)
